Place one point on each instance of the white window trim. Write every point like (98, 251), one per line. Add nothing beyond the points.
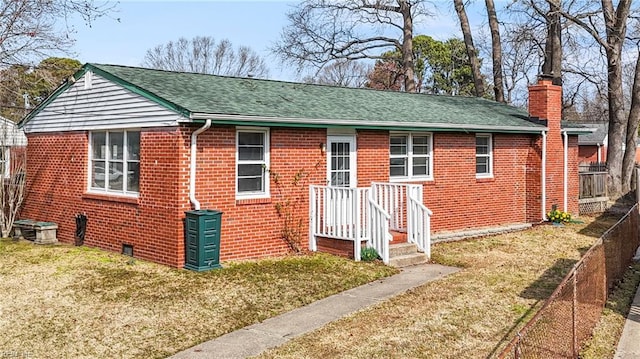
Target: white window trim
(266, 177)
(410, 156)
(7, 160)
(125, 160)
(489, 155)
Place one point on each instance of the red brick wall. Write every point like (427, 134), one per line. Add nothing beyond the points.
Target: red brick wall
(545, 102)
(460, 200)
(588, 154)
(56, 191)
(252, 228)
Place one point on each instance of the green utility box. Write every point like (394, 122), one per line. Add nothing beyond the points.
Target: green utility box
(202, 240)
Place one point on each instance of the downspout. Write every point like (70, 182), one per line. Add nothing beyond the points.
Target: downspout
(599, 153)
(565, 164)
(192, 167)
(544, 175)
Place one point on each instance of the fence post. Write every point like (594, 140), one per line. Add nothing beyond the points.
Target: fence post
(574, 314)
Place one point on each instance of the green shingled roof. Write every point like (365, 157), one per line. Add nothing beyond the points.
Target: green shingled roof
(243, 100)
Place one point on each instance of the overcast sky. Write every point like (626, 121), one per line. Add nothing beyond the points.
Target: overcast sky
(257, 24)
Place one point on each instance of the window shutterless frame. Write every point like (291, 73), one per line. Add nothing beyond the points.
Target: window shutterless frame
(252, 162)
(484, 156)
(114, 162)
(410, 156)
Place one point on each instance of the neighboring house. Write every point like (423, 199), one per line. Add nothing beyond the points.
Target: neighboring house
(593, 146)
(12, 143)
(135, 148)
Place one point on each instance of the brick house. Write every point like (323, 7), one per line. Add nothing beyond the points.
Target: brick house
(593, 146)
(135, 148)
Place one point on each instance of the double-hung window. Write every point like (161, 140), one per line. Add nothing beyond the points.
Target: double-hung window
(410, 156)
(484, 156)
(252, 161)
(114, 164)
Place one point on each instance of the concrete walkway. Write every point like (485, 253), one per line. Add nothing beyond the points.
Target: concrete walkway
(273, 332)
(629, 344)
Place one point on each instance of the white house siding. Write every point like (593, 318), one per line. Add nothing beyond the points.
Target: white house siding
(104, 105)
(10, 134)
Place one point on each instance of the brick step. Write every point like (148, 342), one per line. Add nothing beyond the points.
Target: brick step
(398, 237)
(400, 249)
(408, 260)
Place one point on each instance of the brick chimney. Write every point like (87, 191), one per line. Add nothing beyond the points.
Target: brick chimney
(545, 104)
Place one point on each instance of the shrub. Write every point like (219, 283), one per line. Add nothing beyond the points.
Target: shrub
(369, 254)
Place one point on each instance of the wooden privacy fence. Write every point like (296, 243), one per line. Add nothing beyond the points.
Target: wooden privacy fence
(567, 318)
(593, 196)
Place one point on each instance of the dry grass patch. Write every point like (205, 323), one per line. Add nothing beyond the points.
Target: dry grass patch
(77, 302)
(470, 314)
(607, 333)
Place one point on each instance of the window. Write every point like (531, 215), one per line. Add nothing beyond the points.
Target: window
(115, 162)
(5, 155)
(410, 156)
(484, 154)
(252, 163)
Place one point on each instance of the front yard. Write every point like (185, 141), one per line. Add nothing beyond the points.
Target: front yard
(63, 301)
(470, 314)
(76, 302)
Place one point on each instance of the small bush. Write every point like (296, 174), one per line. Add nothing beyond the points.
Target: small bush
(558, 216)
(369, 254)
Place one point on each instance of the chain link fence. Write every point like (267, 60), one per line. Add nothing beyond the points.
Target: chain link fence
(568, 317)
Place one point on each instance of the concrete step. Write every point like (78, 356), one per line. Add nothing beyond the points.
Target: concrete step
(408, 260)
(400, 249)
(398, 237)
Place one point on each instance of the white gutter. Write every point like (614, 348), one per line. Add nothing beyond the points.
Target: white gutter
(192, 167)
(565, 164)
(599, 153)
(221, 118)
(544, 175)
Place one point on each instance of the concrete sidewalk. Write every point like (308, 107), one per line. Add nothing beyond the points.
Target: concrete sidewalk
(273, 332)
(629, 344)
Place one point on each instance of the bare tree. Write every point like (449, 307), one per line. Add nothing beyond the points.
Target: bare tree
(472, 53)
(34, 28)
(320, 31)
(203, 55)
(496, 51)
(343, 73)
(609, 33)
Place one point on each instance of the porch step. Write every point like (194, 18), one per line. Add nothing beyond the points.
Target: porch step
(404, 255)
(398, 237)
(408, 260)
(401, 249)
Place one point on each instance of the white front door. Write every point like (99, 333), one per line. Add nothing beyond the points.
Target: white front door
(341, 161)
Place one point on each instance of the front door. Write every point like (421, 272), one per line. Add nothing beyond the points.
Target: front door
(341, 161)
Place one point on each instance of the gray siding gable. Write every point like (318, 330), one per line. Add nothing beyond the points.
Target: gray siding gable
(104, 105)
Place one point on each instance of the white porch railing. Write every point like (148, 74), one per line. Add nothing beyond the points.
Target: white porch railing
(359, 214)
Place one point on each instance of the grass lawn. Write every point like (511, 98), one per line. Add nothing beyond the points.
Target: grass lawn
(470, 314)
(76, 302)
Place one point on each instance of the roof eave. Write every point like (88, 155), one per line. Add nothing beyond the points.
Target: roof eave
(227, 119)
(578, 130)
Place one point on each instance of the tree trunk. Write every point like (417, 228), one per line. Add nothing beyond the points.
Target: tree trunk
(553, 47)
(629, 159)
(471, 50)
(407, 47)
(496, 49)
(616, 28)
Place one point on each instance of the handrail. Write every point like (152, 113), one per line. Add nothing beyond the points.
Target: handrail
(378, 228)
(420, 224)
